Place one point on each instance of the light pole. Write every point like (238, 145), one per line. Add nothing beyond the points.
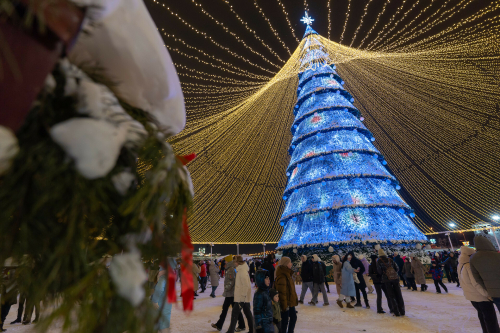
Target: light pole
(264, 245)
(449, 238)
(238, 248)
(211, 246)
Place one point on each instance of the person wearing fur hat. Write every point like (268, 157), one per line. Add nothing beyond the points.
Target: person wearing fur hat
(475, 293)
(337, 272)
(229, 282)
(366, 276)
(418, 271)
(389, 271)
(287, 295)
(160, 303)
(319, 281)
(242, 295)
(306, 274)
(485, 267)
(262, 303)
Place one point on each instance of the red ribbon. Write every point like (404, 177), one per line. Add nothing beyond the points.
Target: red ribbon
(187, 282)
(171, 294)
(185, 159)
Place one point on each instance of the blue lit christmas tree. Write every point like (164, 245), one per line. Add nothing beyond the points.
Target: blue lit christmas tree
(339, 191)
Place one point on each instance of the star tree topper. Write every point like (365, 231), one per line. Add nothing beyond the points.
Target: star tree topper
(307, 19)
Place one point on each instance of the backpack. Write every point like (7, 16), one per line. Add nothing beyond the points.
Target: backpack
(389, 271)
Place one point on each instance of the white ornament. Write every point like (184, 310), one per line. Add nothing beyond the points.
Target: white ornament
(419, 246)
(128, 275)
(124, 41)
(330, 249)
(8, 148)
(93, 144)
(295, 251)
(377, 247)
(122, 181)
(428, 247)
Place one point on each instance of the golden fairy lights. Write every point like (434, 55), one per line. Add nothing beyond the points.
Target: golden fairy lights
(432, 104)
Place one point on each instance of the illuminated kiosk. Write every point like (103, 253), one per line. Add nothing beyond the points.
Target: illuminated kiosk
(339, 195)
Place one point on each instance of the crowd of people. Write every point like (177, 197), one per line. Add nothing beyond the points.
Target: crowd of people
(273, 307)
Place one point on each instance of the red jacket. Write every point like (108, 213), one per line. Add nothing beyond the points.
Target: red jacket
(203, 272)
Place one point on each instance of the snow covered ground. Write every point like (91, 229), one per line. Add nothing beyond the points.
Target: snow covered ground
(425, 312)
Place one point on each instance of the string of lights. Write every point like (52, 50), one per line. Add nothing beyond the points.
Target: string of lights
(271, 27)
(176, 39)
(365, 12)
(329, 7)
(431, 100)
(288, 20)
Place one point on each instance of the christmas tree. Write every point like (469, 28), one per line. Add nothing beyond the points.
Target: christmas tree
(339, 190)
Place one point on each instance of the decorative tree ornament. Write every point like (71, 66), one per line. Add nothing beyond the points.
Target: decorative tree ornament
(295, 251)
(122, 181)
(419, 246)
(377, 247)
(330, 249)
(8, 148)
(129, 276)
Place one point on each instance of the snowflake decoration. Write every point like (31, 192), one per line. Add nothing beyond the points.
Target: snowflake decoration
(307, 19)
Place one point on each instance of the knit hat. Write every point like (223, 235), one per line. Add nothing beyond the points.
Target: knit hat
(273, 292)
(381, 252)
(360, 257)
(229, 258)
(239, 259)
(316, 258)
(285, 261)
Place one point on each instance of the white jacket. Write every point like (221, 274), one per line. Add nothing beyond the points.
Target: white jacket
(242, 288)
(473, 291)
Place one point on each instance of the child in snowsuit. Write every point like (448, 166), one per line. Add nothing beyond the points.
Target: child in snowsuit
(262, 303)
(275, 296)
(437, 276)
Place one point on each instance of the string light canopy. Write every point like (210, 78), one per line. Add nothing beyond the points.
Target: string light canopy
(427, 88)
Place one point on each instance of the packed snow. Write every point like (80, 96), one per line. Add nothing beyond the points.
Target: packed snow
(425, 312)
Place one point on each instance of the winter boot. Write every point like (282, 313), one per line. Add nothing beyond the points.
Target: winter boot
(367, 304)
(358, 304)
(349, 306)
(339, 303)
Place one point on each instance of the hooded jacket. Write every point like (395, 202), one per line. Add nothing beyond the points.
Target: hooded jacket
(485, 265)
(229, 280)
(306, 271)
(214, 274)
(262, 304)
(373, 272)
(383, 265)
(473, 291)
(337, 270)
(286, 287)
(242, 287)
(196, 272)
(418, 270)
(347, 288)
(356, 263)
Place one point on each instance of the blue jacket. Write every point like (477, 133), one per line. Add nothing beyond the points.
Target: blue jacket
(159, 297)
(347, 288)
(262, 304)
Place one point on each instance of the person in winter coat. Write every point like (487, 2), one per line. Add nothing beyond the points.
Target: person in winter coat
(275, 296)
(361, 286)
(229, 282)
(318, 281)
(287, 295)
(242, 295)
(306, 274)
(252, 271)
(366, 276)
(348, 289)
(337, 272)
(418, 270)
(268, 266)
(377, 282)
(485, 267)
(327, 286)
(400, 262)
(222, 268)
(263, 304)
(452, 263)
(203, 276)
(196, 274)
(214, 277)
(389, 271)
(410, 278)
(160, 303)
(475, 293)
(437, 276)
